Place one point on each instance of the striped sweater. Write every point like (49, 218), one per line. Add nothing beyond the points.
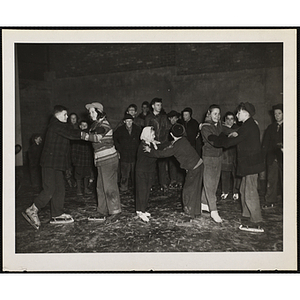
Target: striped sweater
(101, 135)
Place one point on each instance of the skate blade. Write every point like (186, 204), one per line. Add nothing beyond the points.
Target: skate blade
(29, 221)
(249, 229)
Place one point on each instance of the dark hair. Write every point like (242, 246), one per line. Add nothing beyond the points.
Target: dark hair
(229, 113)
(155, 100)
(241, 106)
(213, 106)
(100, 114)
(189, 110)
(74, 115)
(58, 109)
(133, 106)
(146, 103)
(83, 121)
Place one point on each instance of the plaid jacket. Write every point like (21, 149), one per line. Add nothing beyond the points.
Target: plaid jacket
(57, 145)
(81, 154)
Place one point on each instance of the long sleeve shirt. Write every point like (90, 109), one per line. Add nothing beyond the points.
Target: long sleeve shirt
(183, 151)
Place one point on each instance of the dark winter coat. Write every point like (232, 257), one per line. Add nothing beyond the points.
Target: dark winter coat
(140, 120)
(271, 143)
(81, 154)
(57, 145)
(127, 144)
(161, 126)
(192, 129)
(249, 154)
(34, 154)
(145, 163)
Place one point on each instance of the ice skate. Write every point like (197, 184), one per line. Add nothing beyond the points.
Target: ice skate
(31, 216)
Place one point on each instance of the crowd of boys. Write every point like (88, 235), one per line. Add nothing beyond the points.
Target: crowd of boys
(179, 158)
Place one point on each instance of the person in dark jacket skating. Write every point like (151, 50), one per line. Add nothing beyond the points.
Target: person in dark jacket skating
(191, 162)
(127, 140)
(54, 162)
(249, 164)
(144, 172)
(272, 148)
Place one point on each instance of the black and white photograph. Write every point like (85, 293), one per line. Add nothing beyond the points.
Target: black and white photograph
(138, 150)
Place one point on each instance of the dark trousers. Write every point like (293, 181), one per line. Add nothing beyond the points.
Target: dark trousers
(175, 172)
(144, 182)
(54, 190)
(107, 188)
(81, 172)
(226, 180)
(36, 176)
(163, 171)
(274, 182)
(127, 171)
(250, 199)
(191, 194)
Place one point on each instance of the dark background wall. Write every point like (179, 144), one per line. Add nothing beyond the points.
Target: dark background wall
(195, 75)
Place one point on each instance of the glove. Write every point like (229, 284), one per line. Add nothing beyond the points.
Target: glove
(212, 138)
(218, 141)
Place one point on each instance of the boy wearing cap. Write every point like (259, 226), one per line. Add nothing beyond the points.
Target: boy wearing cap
(249, 164)
(191, 162)
(54, 162)
(173, 116)
(127, 139)
(191, 125)
(272, 147)
(107, 161)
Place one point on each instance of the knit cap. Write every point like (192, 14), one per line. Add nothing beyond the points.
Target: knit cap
(177, 130)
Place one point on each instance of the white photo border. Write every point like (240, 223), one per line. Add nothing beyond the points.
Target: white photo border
(237, 261)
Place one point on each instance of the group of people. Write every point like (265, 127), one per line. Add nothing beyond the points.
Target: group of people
(187, 154)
